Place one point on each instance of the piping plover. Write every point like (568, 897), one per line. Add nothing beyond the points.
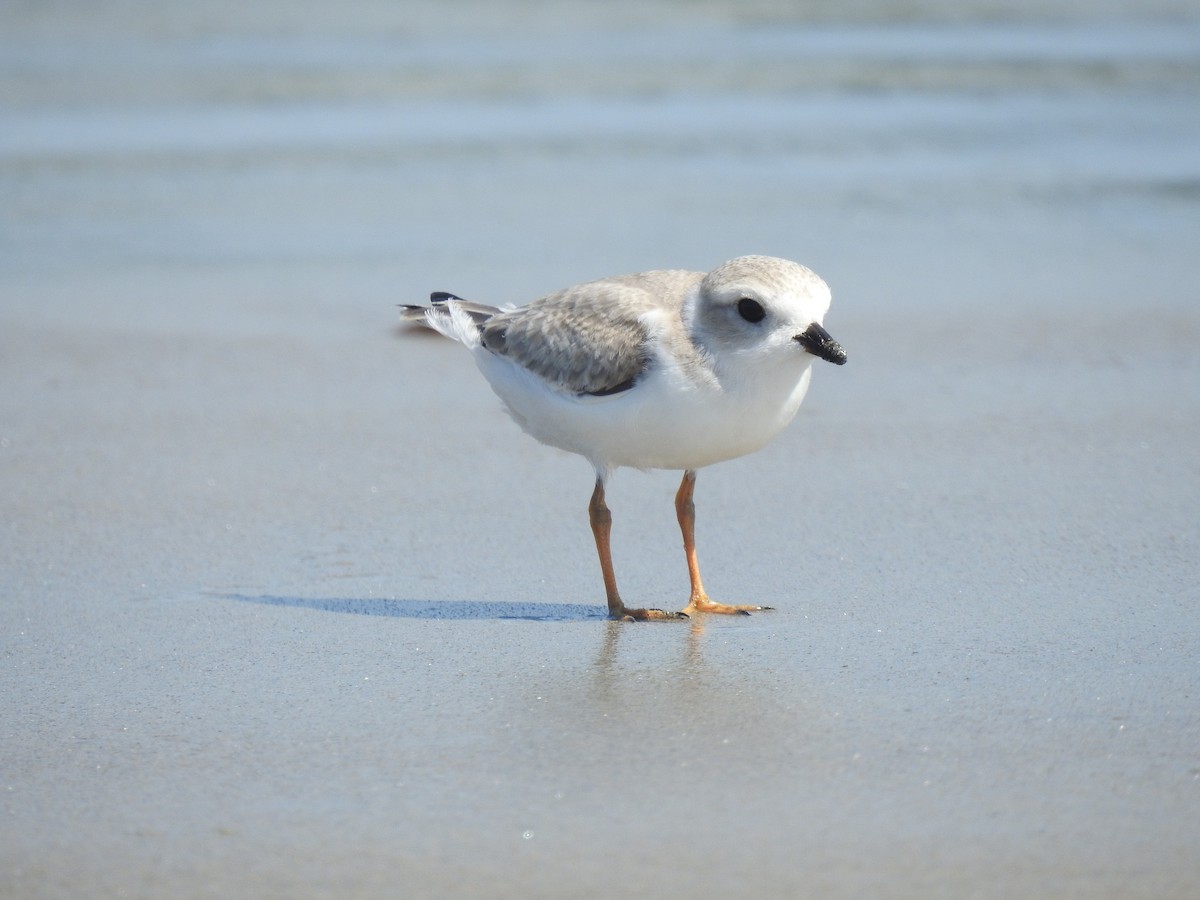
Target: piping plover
(668, 369)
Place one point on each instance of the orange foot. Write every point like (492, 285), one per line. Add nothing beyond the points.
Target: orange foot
(625, 614)
(703, 604)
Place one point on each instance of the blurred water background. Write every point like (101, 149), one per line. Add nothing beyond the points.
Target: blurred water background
(1036, 154)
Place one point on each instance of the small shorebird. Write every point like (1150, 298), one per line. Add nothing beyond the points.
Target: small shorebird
(666, 369)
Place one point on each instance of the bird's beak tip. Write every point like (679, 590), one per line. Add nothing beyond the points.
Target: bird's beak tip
(817, 341)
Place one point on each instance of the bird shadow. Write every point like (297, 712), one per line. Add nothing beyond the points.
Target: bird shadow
(449, 610)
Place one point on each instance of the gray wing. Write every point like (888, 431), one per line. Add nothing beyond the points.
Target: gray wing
(419, 315)
(588, 339)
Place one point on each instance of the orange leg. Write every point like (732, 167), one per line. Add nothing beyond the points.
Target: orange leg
(601, 520)
(685, 511)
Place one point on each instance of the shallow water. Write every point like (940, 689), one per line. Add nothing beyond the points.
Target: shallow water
(289, 607)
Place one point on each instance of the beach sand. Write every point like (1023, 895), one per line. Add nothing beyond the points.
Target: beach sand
(288, 606)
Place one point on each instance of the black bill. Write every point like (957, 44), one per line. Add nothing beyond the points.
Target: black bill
(817, 341)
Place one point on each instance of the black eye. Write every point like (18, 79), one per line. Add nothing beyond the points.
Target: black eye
(751, 310)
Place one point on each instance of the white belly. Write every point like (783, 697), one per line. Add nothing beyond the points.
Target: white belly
(664, 422)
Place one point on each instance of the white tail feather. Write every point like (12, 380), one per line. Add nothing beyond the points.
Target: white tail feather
(450, 320)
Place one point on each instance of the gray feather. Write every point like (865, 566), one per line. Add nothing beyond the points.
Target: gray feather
(588, 339)
(419, 315)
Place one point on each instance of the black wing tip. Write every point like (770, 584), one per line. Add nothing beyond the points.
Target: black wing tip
(619, 388)
(443, 296)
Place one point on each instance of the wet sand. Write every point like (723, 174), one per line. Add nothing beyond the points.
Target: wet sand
(290, 608)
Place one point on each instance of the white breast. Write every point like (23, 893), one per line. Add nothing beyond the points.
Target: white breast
(667, 421)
